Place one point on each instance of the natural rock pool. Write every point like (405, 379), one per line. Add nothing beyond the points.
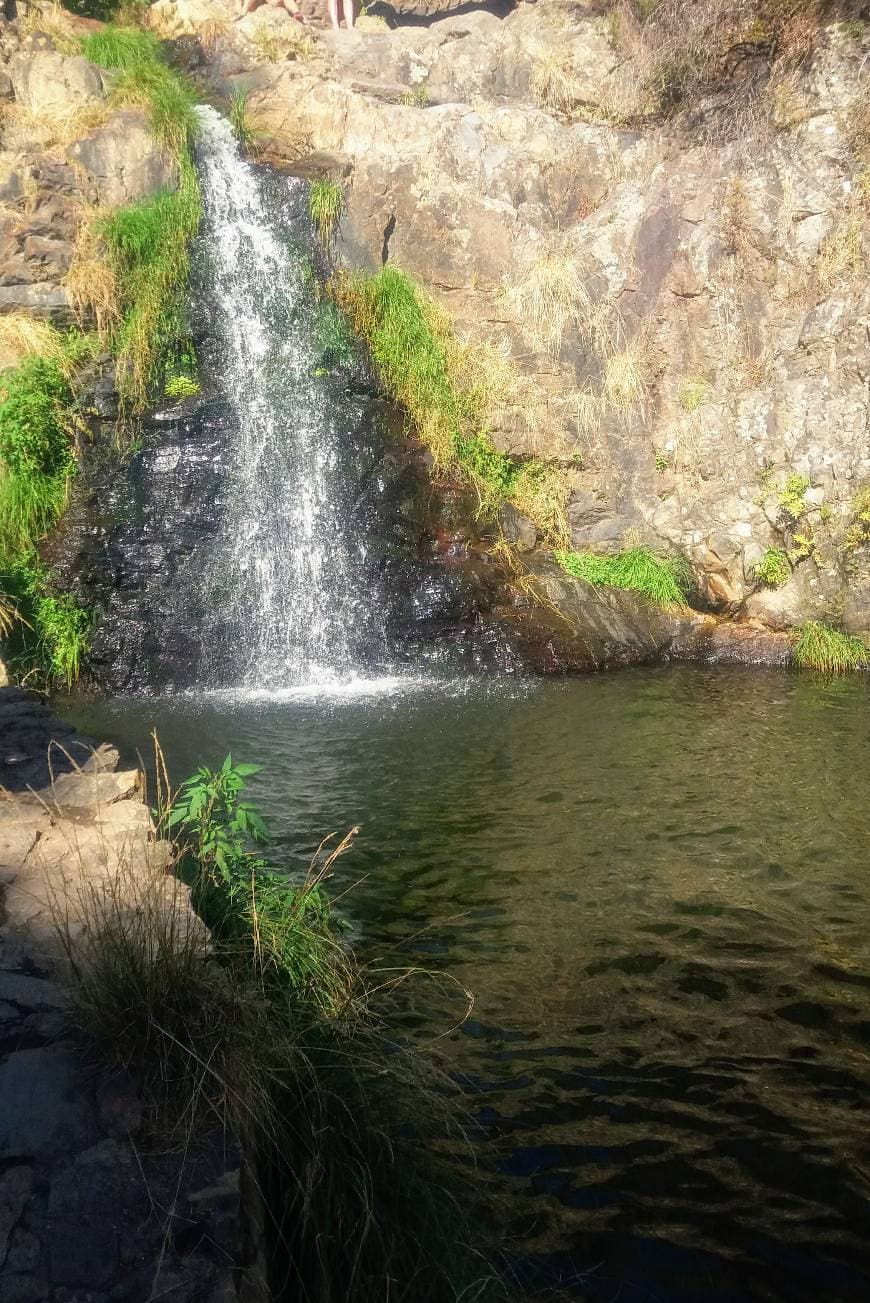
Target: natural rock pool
(656, 884)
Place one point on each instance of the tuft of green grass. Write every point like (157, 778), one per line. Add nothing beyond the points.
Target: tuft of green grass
(242, 122)
(773, 569)
(181, 387)
(820, 647)
(121, 47)
(51, 634)
(447, 390)
(325, 200)
(662, 579)
(36, 459)
(147, 247)
(333, 336)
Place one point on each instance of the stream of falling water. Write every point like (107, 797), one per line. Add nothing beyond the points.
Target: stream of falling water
(286, 575)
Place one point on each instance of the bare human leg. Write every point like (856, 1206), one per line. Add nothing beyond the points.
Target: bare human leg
(347, 6)
(332, 6)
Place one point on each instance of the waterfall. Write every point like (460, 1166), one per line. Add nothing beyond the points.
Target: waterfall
(286, 578)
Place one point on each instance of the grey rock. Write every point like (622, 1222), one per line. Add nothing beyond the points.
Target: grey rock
(42, 1111)
(16, 1184)
(121, 162)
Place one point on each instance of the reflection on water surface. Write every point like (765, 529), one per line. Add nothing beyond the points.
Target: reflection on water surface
(657, 884)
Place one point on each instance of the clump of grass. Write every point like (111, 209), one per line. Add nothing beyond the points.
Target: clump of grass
(91, 282)
(180, 387)
(791, 497)
(242, 122)
(626, 375)
(325, 200)
(290, 44)
(841, 256)
(334, 338)
(554, 82)
(36, 460)
(52, 128)
(415, 97)
(818, 646)
(51, 633)
(22, 336)
(662, 579)
(448, 390)
(773, 569)
(548, 298)
(121, 47)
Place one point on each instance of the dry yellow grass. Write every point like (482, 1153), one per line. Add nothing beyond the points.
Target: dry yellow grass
(272, 46)
(548, 298)
(841, 256)
(91, 283)
(51, 130)
(627, 375)
(21, 336)
(554, 82)
(55, 22)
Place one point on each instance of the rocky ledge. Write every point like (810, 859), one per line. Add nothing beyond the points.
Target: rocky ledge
(91, 1210)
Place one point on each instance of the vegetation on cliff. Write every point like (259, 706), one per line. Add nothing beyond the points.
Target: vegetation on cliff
(272, 1029)
(127, 279)
(662, 579)
(817, 646)
(450, 391)
(39, 429)
(133, 263)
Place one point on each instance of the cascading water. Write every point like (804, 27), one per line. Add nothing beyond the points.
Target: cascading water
(286, 577)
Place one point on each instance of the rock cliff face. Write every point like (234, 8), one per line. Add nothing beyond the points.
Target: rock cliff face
(686, 309)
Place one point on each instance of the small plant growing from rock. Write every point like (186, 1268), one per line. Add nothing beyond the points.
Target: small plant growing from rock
(242, 122)
(820, 647)
(554, 82)
(692, 394)
(773, 569)
(791, 497)
(325, 201)
(661, 461)
(415, 97)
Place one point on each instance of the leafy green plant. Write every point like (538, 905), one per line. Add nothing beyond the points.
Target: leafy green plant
(325, 200)
(773, 569)
(217, 823)
(181, 386)
(818, 646)
(664, 580)
(791, 496)
(662, 463)
(692, 393)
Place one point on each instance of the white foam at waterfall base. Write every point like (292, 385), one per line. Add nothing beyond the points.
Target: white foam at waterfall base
(284, 583)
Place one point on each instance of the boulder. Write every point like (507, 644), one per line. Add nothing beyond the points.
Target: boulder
(121, 162)
(45, 81)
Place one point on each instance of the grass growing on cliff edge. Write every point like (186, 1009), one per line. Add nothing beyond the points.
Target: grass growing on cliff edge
(819, 647)
(143, 248)
(325, 199)
(664, 580)
(449, 391)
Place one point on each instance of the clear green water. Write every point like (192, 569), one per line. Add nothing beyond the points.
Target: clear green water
(657, 884)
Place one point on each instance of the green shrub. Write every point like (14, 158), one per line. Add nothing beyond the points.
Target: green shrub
(773, 569)
(791, 496)
(819, 647)
(52, 632)
(325, 199)
(664, 580)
